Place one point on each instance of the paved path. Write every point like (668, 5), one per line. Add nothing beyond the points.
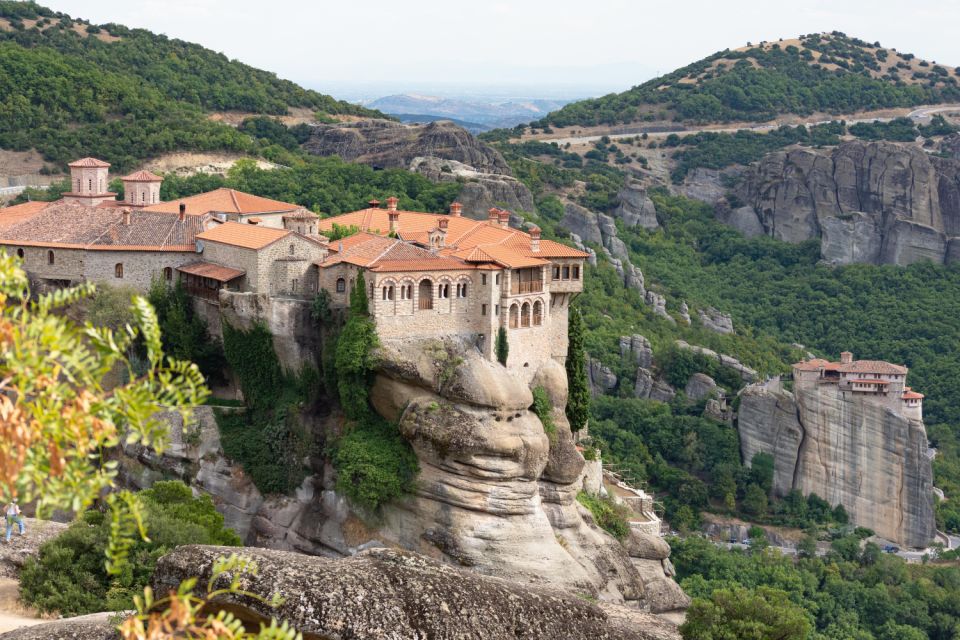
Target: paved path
(13, 615)
(923, 113)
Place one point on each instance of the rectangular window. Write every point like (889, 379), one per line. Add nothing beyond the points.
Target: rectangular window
(496, 309)
(556, 272)
(576, 272)
(483, 309)
(483, 278)
(498, 278)
(566, 273)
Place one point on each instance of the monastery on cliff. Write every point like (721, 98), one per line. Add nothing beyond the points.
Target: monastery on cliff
(427, 274)
(882, 381)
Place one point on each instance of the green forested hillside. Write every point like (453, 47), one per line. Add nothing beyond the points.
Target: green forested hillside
(70, 89)
(817, 73)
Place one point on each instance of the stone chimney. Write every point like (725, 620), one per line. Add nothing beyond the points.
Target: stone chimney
(392, 203)
(126, 217)
(394, 221)
(442, 223)
(374, 204)
(183, 212)
(493, 216)
(456, 209)
(535, 239)
(846, 357)
(504, 219)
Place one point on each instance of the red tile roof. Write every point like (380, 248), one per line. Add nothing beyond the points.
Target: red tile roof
(224, 201)
(247, 236)
(211, 270)
(142, 176)
(88, 162)
(873, 366)
(912, 395)
(16, 214)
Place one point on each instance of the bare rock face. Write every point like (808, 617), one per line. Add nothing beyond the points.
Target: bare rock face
(481, 190)
(875, 202)
(648, 387)
(96, 626)
(638, 349)
(659, 304)
(602, 379)
(495, 493)
(699, 387)
(848, 449)
(386, 593)
(385, 144)
(14, 554)
(715, 320)
(635, 207)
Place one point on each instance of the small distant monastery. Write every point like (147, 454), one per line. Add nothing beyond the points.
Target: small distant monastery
(881, 381)
(427, 274)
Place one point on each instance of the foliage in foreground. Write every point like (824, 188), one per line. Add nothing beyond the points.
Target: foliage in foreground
(69, 577)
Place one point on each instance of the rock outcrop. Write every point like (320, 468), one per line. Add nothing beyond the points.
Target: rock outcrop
(602, 379)
(385, 593)
(647, 387)
(494, 493)
(635, 208)
(849, 449)
(481, 190)
(699, 387)
(874, 202)
(715, 320)
(385, 144)
(637, 348)
(96, 626)
(746, 373)
(14, 554)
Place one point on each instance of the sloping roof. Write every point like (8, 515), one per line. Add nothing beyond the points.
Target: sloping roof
(88, 162)
(142, 176)
(301, 214)
(873, 366)
(75, 226)
(211, 270)
(912, 395)
(247, 236)
(814, 364)
(384, 255)
(474, 241)
(226, 201)
(10, 216)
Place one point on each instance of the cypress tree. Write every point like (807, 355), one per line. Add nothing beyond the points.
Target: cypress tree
(502, 347)
(578, 398)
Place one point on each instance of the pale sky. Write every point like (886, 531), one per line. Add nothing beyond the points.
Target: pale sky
(586, 46)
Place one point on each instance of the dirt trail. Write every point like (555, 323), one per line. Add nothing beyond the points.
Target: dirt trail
(13, 614)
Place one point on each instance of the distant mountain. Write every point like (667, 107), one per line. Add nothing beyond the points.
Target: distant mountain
(489, 114)
(828, 73)
(69, 88)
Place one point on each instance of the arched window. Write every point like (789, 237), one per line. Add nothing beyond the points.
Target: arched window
(462, 290)
(292, 249)
(118, 270)
(425, 289)
(341, 285)
(525, 315)
(167, 274)
(51, 259)
(514, 316)
(443, 291)
(537, 313)
(388, 292)
(19, 253)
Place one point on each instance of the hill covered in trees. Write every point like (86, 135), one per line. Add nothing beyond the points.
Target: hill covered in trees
(69, 89)
(827, 73)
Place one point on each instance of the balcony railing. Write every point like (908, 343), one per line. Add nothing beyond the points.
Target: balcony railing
(425, 304)
(531, 286)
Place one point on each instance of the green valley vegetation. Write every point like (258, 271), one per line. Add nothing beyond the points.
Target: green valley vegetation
(68, 576)
(73, 89)
(830, 73)
(374, 463)
(854, 592)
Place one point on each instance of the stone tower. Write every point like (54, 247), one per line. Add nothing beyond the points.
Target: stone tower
(88, 182)
(141, 189)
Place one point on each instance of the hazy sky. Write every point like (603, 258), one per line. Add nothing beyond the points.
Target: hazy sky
(591, 46)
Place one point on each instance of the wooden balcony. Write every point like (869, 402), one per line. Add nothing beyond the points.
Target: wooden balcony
(425, 304)
(531, 286)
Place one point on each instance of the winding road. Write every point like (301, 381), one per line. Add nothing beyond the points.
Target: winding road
(918, 115)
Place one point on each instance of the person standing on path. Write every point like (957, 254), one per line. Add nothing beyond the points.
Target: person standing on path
(12, 511)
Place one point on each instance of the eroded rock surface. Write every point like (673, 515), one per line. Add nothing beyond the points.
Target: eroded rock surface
(14, 554)
(481, 190)
(386, 593)
(635, 208)
(96, 626)
(849, 449)
(874, 202)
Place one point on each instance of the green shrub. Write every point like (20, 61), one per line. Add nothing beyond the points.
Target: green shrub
(544, 410)
(609, 516)
(502, 346)
(374, 463)
(68, 575)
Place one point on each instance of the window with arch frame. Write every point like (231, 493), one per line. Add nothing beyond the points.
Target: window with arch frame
(341, 285)
(118, 270)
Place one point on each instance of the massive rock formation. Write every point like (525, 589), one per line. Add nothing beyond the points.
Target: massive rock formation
(635, 207)
(385, 144)
(480, 190)
(849, 449)
(875, 202)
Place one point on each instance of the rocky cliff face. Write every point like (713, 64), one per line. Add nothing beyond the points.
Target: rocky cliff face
(480, 190)
(874, 202)
(848, 449)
